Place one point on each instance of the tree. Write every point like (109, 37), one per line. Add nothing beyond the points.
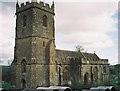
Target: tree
(117, 68)
(112, 70)
(79, 48)
(6, 73)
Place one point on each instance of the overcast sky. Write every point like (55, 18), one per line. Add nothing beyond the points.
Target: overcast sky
(92, 25)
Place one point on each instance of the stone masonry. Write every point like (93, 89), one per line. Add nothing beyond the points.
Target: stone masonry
(37, 62)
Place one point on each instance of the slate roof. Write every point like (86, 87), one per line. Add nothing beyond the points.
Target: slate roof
(74, 54)
(67, 57)
(66, 53)
(90, 55)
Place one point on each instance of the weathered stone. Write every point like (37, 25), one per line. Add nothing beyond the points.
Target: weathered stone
(45, 65)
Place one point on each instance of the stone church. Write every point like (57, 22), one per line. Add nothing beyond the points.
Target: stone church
(37, 62)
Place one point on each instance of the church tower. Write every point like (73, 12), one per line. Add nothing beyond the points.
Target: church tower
(34, 44)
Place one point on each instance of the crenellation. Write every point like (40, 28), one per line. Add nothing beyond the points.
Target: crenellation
(27, 2)
(47, 5)
(22, 5)
(34, 1)
(35, 4)
(52, 6)
(17, 5)
(41, 3)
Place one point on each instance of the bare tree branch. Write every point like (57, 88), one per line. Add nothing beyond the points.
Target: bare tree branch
(79, 48)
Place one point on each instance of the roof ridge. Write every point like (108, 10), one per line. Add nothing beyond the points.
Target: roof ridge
(65, 50)
(88, 52)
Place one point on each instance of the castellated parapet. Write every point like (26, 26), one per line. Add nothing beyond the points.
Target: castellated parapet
(40, 5)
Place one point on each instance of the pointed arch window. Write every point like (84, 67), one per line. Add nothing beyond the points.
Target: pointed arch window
(65, 74)
(23, 66)
(95, 73)
(59, 73)
(86, 78)
(45, 21)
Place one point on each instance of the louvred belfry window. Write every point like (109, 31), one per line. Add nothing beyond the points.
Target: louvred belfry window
(24, 20)
(45, 21)
(23, 66)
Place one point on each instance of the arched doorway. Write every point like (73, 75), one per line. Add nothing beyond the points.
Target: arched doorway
(86, 78)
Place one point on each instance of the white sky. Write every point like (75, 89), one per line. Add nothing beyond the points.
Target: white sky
(91, 24)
